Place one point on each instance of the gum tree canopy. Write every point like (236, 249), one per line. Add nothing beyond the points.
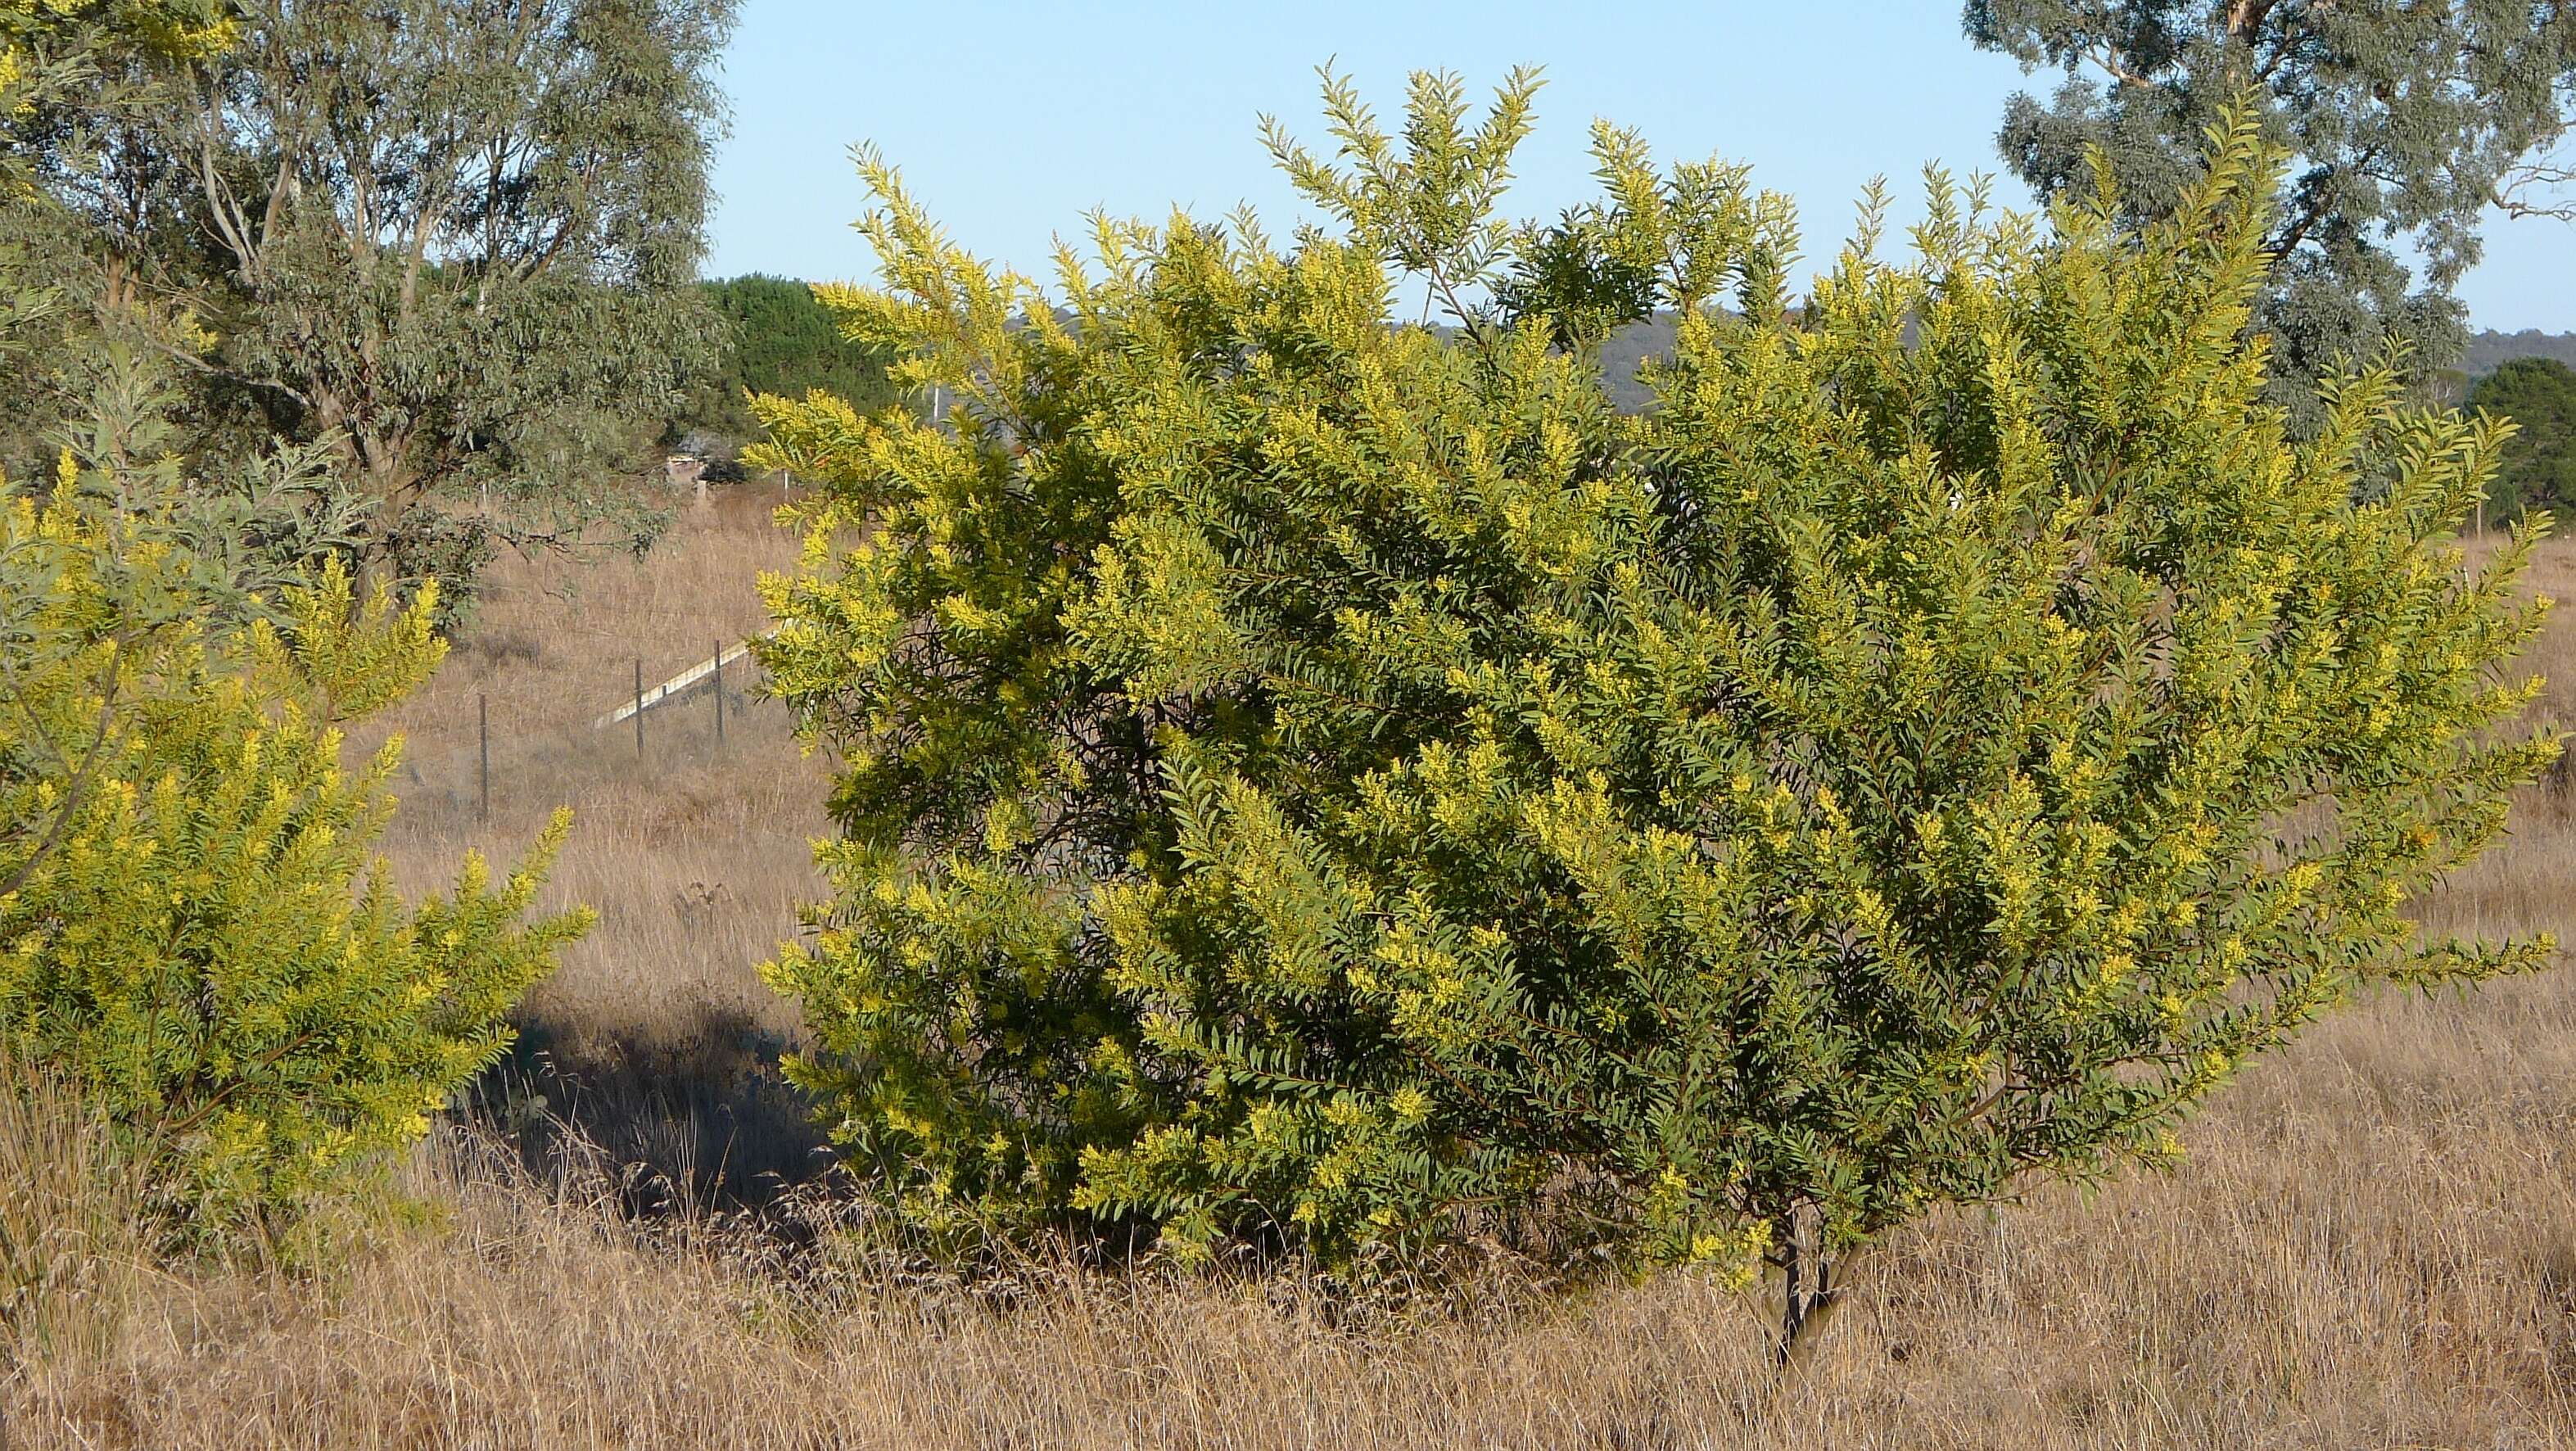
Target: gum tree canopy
(458, 238)
(2405, 121)
(1308, 775)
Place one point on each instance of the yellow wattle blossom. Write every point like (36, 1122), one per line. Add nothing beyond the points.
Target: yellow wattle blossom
(1458, 749)
(216, 942)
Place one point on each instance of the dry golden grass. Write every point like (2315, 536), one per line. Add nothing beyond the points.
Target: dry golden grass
(656, 1035)
(695, 854)
(70, 1250)
(2372, 1242)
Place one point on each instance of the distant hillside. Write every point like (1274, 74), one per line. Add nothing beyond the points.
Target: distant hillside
(1635, 343)
(2491, 350)
(1629, 348)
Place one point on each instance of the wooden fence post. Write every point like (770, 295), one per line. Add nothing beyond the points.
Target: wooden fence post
(639, 707)
(720, 692)
(483, 748)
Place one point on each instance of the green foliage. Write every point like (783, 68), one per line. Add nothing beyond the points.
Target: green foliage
(456, 242)
(2407, 120)
(64, 316)
(191, 927)
(53, 50)
(2538, 470)
(783, 342)
(1308, 775)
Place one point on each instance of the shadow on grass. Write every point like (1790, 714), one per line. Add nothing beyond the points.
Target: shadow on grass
(697, 1119)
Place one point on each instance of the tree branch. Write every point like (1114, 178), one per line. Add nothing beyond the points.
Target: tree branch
(2245, 17)
(2512, 190)
(74, 793)
(2109, 60)
(2312, 207)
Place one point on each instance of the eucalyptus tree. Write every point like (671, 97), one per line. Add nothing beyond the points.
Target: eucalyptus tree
(457, 238)
(52, 51)
(2406, 121)
(61, 60)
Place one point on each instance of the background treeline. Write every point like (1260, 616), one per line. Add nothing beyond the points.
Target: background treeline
(2490, 350)
(779, 340)
(2538, 469)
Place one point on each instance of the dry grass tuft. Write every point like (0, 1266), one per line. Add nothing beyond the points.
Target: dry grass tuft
(70, 1246)
(2372, 1242)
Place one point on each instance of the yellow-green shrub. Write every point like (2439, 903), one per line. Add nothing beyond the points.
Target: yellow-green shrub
(192, 927)
(1306, 774)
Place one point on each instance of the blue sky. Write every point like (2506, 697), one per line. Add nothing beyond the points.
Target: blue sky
(1010, 121)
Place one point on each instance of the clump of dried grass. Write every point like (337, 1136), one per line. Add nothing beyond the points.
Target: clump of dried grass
(71, 1236)
(2370, 1245)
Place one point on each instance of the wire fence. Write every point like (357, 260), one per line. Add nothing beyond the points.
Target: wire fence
(700, 706)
